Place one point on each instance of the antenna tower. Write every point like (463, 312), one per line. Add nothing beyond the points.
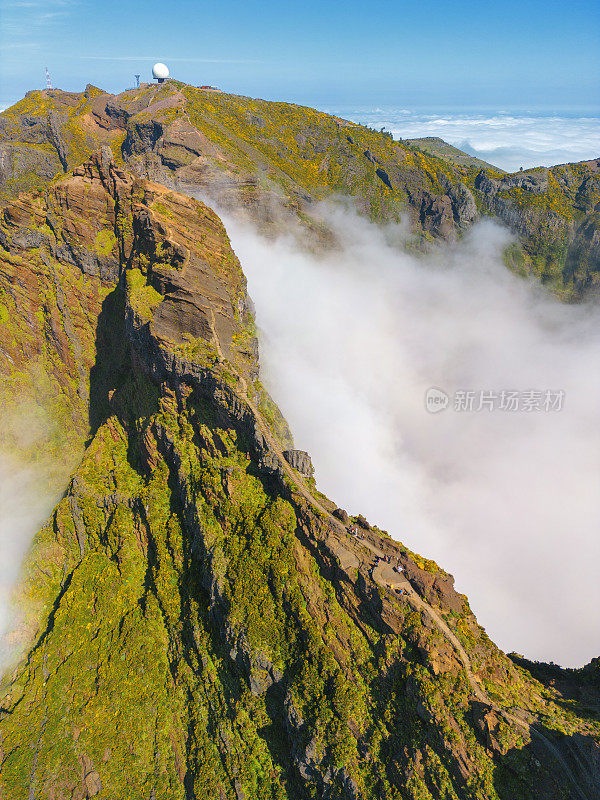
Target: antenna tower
(48, 81)
(137, 78)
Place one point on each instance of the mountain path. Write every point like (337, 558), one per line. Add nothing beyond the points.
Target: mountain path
(473, 680)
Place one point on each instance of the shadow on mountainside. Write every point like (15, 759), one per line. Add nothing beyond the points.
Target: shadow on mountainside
(540, 768)
(112, 358)
(575, 690)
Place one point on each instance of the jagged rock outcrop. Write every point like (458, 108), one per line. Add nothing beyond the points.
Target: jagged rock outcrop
(300, 460)
(198, 622)
(273, 160)
(464, 207)
(54, 125)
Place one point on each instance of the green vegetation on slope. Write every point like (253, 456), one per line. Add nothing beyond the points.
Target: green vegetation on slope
(195, 625)
(276, 158)
(167, 616)
(438, 147)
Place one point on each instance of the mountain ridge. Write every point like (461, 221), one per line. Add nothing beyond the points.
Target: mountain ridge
(263, 156)
(440, 147)
(201, 621)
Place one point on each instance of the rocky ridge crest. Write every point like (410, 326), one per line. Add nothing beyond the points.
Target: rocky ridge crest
(201, 620)
(275, 160)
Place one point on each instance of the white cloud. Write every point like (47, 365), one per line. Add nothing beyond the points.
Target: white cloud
(507, 502)
(507, 140)
(168, 58)
(30, 484)
(21, 17)
(25, 502)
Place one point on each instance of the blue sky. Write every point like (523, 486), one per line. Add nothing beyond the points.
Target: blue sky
(410, 53)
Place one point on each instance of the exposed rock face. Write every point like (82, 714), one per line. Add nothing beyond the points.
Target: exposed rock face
(342, 515)
(438, 589)
(464, 208)
(487, 723)
(51, 310)
(54, 135)
(554, 213)
(300, 460)
(270, 160)
(199, 625)
(534, 182)
(142, 137)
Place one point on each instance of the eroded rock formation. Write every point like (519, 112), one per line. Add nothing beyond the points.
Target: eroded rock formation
(199, 622)
(274, 160)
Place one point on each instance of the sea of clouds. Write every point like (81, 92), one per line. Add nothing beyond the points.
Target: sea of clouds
(507, 139)
(506, 501)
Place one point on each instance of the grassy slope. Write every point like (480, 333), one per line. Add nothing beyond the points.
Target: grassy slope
(173, 576)
(34, 156)
(298, 152)
(438, 147)
(131, 685)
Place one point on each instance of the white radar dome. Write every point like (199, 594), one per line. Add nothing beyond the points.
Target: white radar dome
(160, 71)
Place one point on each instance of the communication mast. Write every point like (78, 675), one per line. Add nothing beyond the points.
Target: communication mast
(48, 81)
(137, 79)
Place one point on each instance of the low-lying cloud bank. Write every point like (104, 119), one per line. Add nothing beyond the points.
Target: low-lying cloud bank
(505, 500)
(31, 479)
(508, 140)
(25, 502)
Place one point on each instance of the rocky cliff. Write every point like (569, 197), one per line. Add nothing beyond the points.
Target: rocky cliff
(271, 158)
(555, 212)
(199, 621)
